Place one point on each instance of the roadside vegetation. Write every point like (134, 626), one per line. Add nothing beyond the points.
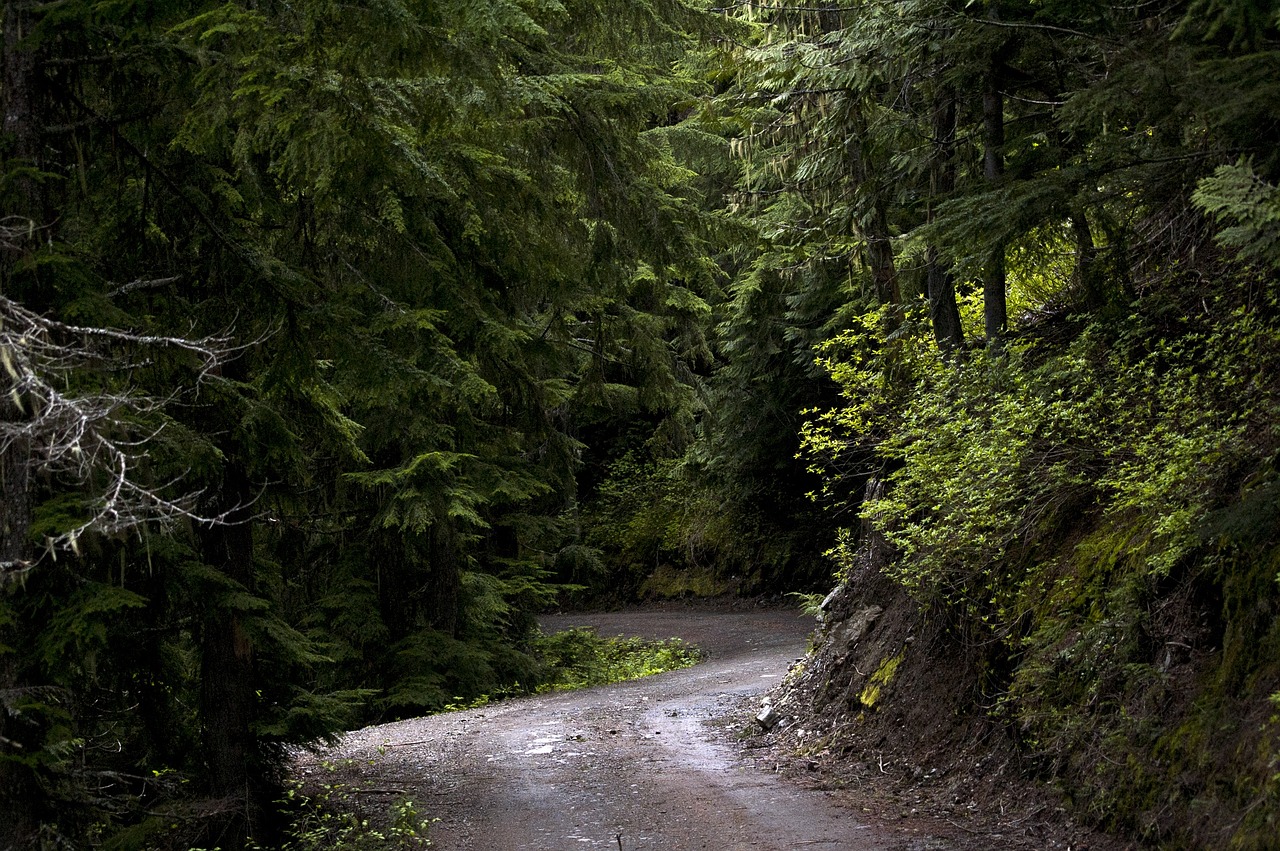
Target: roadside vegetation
(579, 658)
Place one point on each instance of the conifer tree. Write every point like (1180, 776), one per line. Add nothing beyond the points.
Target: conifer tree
(447, 239)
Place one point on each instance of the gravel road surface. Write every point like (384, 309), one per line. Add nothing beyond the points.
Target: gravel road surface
(649, 764)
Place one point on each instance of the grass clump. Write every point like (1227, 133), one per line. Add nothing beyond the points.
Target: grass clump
(579, 658)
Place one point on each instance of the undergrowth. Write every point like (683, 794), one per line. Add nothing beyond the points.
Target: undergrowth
(326, 815)
(1101, 504)
(578, 658)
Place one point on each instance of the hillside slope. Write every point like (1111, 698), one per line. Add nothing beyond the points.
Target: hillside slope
(1070, 572)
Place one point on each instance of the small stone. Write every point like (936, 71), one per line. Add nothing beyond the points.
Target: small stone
(768, 718)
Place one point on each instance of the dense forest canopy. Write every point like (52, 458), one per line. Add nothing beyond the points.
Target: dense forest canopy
(341, 339)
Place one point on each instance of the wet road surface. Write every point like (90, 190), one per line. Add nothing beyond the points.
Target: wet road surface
(639, 765)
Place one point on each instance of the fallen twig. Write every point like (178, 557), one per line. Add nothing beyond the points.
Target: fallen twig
(1034, 812)
(969, 829)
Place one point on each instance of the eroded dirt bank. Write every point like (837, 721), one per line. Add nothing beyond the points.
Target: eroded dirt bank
(652, 764)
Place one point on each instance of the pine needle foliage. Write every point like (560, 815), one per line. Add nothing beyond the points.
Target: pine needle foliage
(444, 240)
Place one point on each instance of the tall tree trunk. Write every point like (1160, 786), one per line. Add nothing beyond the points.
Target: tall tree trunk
(1087, 276)
(994, 312)
(875, 232)
(19, 793)
(15, 509)
(943, 312)
(400, 579)
(21, 123)
(444, 593)
(21, 134)
(155, 702)
(884, 271)
(227, 701)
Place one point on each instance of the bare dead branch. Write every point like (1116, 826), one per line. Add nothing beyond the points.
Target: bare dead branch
(86, 437)
(143, 284)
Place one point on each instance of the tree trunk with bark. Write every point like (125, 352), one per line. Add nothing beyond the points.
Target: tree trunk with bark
(875, 232)
(19, 792)
(444, 593)
(227, 694)
(943, 312)
(1088, 278)
(995, 311)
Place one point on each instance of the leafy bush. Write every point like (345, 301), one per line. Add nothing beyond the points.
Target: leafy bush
(1096, 506)
(578, 658)
(992, 456)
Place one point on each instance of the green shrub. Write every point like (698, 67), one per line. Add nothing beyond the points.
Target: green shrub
(578, 658)
(1082, 503)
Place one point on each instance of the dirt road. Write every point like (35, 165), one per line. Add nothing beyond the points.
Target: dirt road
(648, 764)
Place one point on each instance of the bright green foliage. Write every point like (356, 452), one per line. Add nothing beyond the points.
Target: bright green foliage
(578, 658)
(994, 454)
(1102, 508)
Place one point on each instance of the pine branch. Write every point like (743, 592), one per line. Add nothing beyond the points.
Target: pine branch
(1027, 25)
(235, 247)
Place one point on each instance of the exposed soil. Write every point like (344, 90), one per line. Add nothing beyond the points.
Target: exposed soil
(675, 762)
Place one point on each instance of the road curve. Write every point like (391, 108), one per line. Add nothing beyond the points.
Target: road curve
(637, 765)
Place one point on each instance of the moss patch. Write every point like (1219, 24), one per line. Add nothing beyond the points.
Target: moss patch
(879, 680)
(667, 583)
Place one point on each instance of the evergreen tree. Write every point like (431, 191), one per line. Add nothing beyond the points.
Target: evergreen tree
(448, 241)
